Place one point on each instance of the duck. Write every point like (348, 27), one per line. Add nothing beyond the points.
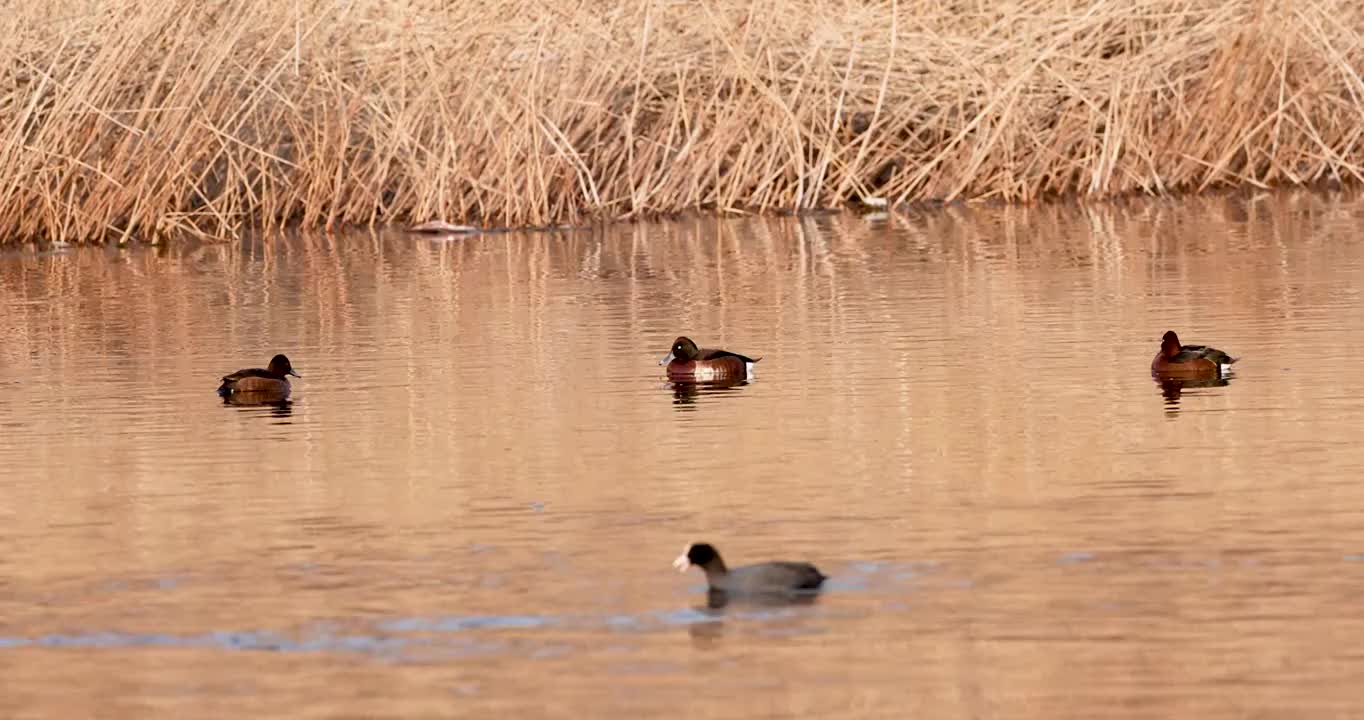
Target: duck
(688, 363)
(1177, 359)
(273, 380)
(768, 578)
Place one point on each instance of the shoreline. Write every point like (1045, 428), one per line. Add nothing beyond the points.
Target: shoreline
(908, 212)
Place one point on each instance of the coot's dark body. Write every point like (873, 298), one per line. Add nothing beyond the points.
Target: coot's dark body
(767, 578)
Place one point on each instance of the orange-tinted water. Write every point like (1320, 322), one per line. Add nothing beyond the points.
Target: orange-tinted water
(471, 504)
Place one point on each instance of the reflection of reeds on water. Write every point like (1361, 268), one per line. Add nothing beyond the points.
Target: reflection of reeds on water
(172, 115)
(800, 291)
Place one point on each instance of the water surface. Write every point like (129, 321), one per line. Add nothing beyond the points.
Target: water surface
(470, 505)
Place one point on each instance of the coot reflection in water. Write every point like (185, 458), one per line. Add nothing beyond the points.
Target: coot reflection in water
(707, 635)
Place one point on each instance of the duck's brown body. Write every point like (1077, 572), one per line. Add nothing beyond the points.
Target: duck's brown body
(269, 381)
(688, 363)
(1199, 360)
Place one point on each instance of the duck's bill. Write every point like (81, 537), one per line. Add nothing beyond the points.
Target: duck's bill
(291, 372)
(682, 563)
(669, 358)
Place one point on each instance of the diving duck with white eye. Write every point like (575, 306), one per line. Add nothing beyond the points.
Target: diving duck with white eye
(688, 363)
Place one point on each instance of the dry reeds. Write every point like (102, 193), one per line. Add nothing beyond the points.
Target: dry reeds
(150, 117)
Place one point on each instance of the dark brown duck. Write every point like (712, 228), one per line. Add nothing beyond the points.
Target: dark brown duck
(1177, 359)
(272, 380)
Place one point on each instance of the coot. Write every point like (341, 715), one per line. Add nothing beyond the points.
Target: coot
(767, 578)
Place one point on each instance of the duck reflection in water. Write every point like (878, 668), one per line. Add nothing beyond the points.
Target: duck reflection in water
(276, 406)
(1172, 388)
(685, 395)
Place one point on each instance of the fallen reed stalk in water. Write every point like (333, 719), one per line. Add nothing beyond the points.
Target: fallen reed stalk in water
(144, 118)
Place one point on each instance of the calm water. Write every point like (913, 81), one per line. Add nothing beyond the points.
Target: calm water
(471, 504)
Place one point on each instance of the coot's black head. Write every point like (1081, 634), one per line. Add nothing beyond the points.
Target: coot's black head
(702, 555)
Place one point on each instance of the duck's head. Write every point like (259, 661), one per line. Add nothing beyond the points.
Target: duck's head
(1169, 344)
(279, 365)
(683, 350)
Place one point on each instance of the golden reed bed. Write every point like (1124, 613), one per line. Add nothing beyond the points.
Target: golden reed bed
(138, 119)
